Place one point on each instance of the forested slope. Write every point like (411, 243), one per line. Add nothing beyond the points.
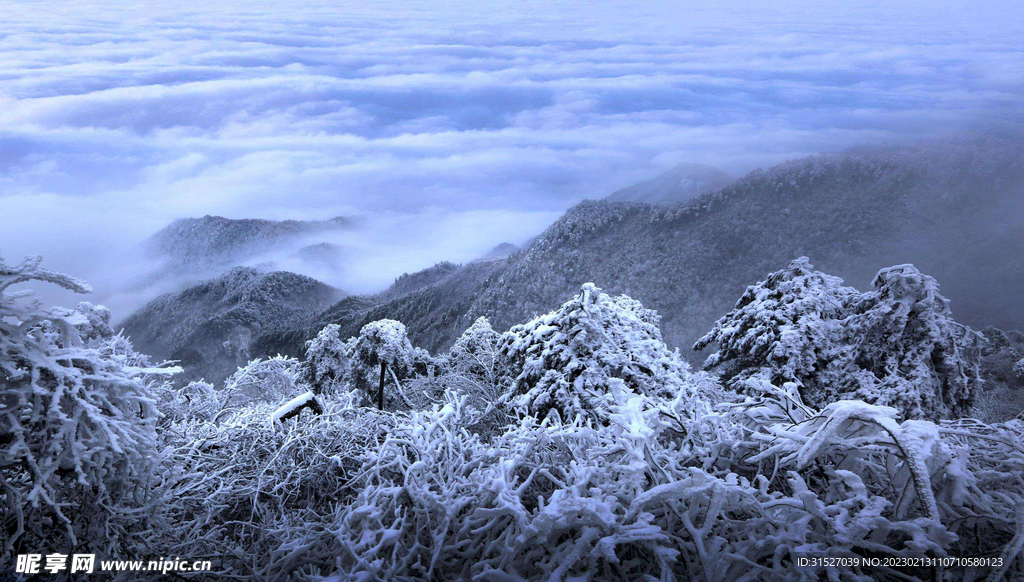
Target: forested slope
(209, 327)
(951, 207)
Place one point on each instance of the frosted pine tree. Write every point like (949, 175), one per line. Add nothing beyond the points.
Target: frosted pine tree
(472, 367)
(573, 359)
(475, 357)
(476, 351)
(786, 324)
(327, 362)
(911, 354)
(897, 345)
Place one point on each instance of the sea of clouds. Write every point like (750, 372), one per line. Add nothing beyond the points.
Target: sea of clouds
(448, 127)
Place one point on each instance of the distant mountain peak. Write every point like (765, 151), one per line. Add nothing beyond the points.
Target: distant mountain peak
(216, 242)
(502, 250)
(209, 326)
(681, 183)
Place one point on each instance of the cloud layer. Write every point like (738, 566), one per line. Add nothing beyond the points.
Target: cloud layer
(115, 120)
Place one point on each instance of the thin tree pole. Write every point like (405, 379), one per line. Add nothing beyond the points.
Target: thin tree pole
(380, 392)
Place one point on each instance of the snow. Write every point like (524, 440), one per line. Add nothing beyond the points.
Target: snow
(292, 405)
(78, 436)
(154, 371)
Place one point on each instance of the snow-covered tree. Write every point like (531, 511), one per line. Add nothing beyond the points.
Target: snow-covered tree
(476, 350)
(92, 322)
(473, 367)
(474, 362)
(328, 360)
(384, 346)
(1018, 369)
(896, 345)
(576, 358)
(77, 424)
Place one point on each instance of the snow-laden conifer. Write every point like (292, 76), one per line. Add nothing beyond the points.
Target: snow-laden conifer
(328, 360)
(896, 345)
(576, 358)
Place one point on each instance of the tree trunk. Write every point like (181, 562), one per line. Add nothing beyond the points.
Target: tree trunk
(380, 392)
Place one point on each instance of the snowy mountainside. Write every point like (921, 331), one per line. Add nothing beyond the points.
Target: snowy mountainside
(500, 251)
(323, 254)
(951, 207)
(209, 326)
(433, 302)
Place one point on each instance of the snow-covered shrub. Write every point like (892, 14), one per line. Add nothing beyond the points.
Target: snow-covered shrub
(77, 420)
(897, 345)
(475, 353)
(998, 403)
(328, 361)
(660, 485)
(996, 340)
(245, 484)
(92, 322)
(571, 359)
(740, 494)
(199, 400)
(902, 489)
(271, 380)
(156, 377)
(1018, 369)
(643, 474)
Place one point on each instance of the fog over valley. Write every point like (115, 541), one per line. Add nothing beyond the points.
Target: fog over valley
(423, 121)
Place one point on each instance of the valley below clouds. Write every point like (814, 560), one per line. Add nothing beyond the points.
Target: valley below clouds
(426, 121)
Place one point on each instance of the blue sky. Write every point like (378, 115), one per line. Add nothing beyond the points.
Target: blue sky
(435, 119)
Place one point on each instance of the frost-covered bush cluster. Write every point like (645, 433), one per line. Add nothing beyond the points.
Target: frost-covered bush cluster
(271, 379)
(244, 484)
(576, 446)
(78, 447)
(897, 345)
(473, 367)
(327, 362)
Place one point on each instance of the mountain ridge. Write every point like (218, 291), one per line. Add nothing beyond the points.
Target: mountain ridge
(209, 327)
(951, 207)
(215, 241)
(853, 213)
(681, 183)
